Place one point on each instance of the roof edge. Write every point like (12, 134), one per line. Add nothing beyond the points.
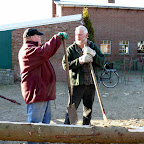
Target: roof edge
(97, 6)
(54, 20)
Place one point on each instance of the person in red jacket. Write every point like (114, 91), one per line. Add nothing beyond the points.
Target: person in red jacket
(38, 79)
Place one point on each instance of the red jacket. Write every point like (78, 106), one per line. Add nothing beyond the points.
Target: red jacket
(38, 79)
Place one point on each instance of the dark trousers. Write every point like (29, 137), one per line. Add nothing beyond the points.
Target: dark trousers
(85, 93)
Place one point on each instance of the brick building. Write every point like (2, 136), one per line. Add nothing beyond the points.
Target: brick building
(49, 27)
(119, 29)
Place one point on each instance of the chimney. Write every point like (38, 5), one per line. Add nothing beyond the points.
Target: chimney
(111, 1)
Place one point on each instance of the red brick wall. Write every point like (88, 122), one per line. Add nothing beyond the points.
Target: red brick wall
(49, 31)
(114, 25)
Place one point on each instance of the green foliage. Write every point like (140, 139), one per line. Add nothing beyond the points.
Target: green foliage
(88, 24)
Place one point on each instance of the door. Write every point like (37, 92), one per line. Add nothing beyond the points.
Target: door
(5, 50)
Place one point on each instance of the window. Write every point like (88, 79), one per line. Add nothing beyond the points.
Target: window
(140, 48)
(124, 47)
(105, 46)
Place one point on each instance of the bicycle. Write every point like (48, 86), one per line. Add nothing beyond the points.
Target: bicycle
(109, 77)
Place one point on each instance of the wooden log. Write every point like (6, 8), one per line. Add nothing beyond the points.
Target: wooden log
(37, 132)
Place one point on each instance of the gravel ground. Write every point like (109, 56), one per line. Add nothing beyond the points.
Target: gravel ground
(123, 104)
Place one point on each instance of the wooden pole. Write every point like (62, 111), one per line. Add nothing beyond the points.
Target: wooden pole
(98, 93)
(73, 118)
(16, 131)
(11, 100)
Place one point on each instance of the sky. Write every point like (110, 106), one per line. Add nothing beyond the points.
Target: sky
(15, 11)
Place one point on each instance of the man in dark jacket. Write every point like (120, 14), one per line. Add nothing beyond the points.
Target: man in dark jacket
(38, 79)
(80, 54)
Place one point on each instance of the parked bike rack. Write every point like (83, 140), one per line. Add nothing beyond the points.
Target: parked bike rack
(127, 63)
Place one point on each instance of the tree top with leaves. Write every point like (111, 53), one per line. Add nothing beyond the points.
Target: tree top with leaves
(88, 24)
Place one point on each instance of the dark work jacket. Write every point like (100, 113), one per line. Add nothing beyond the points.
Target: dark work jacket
(75, 68)
(38, 79)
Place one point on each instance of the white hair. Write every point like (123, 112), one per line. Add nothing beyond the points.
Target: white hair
(82, 28)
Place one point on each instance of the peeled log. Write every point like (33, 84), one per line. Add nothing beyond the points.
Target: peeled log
(37, 132)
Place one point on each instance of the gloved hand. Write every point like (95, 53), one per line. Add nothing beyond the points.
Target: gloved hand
(63, 35)
(87, 58)
(88, 50)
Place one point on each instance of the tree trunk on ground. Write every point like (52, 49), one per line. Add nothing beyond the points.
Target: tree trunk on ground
(16, 131)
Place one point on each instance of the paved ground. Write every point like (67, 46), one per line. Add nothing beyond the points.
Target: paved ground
(123, 104)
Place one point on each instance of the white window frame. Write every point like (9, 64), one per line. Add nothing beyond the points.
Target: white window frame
(140, 48)
(105, 44)
(124, 44)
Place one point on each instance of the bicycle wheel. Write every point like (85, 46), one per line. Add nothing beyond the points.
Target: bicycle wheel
(110, 79)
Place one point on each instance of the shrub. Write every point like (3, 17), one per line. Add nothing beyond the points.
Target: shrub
(88, 24)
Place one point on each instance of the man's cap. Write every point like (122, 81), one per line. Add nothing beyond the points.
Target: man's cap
(30, 32)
